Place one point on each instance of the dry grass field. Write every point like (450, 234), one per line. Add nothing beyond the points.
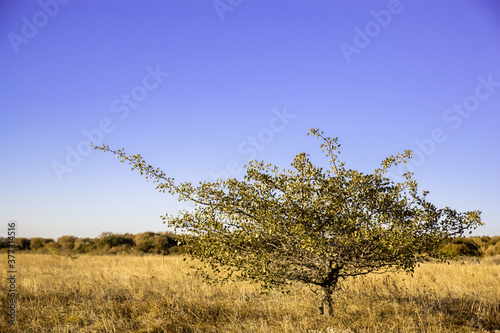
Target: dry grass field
(153, 294)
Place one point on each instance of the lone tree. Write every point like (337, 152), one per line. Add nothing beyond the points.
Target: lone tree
(307, 225)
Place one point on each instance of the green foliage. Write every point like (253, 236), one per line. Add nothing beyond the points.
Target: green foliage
(493, 250)
(307, 224)
(37, 243)
(491, 247)
(4, 242)
(107, 240)
(84, 245)
(164, 242)
(67, 243)
(484, 246)
(52, 248)
(461, 247)
(150, 242)
(144, 241)
(488, 246)
(22, 243)
(106, 243)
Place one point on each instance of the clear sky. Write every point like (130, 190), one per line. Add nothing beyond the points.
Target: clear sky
(200, 87)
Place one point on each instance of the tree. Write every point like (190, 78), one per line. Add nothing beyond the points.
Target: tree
(144, 241)
(163, 242)
(39, 242)
(462, 247)
(306, 224)
(84, 245)
(67, 243)
(22, 243)
(110, 242)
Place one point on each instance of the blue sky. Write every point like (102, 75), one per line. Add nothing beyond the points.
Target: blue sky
(200, 87)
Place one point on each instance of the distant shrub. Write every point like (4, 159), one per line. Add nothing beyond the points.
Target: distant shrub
(22, 243)
(52, 247)
(4, 242)
(493, 249)
(108, 240)
(162, 243)
(120, 249)
(67, 243)
(462, 247)
(151, 242)
(37, 243)
(488, 246)
(84, 245)
(144, 241)
(495, 240)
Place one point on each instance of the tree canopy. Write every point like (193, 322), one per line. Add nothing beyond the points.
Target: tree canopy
(306, 224)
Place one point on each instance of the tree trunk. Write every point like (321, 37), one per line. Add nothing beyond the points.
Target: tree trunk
(326, 302)
(328, 286)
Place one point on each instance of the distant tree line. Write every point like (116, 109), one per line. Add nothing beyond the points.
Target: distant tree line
(167, 242)
(483, 246)
(107, 243)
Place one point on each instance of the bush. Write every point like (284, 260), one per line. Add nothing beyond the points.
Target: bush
(493, 249)
(108, 240)
(462, 247)
(488, 246)
(67, 242)
(4, 242)
(84, 245)
(37, 243)
(52, 247)
(121, 249)
(162, 243)
(151, 242)
(144, 241)
(22, 243)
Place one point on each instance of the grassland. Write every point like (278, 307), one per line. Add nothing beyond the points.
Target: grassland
(125, 293)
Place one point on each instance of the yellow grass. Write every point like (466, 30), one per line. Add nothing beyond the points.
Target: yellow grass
(153, 294)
